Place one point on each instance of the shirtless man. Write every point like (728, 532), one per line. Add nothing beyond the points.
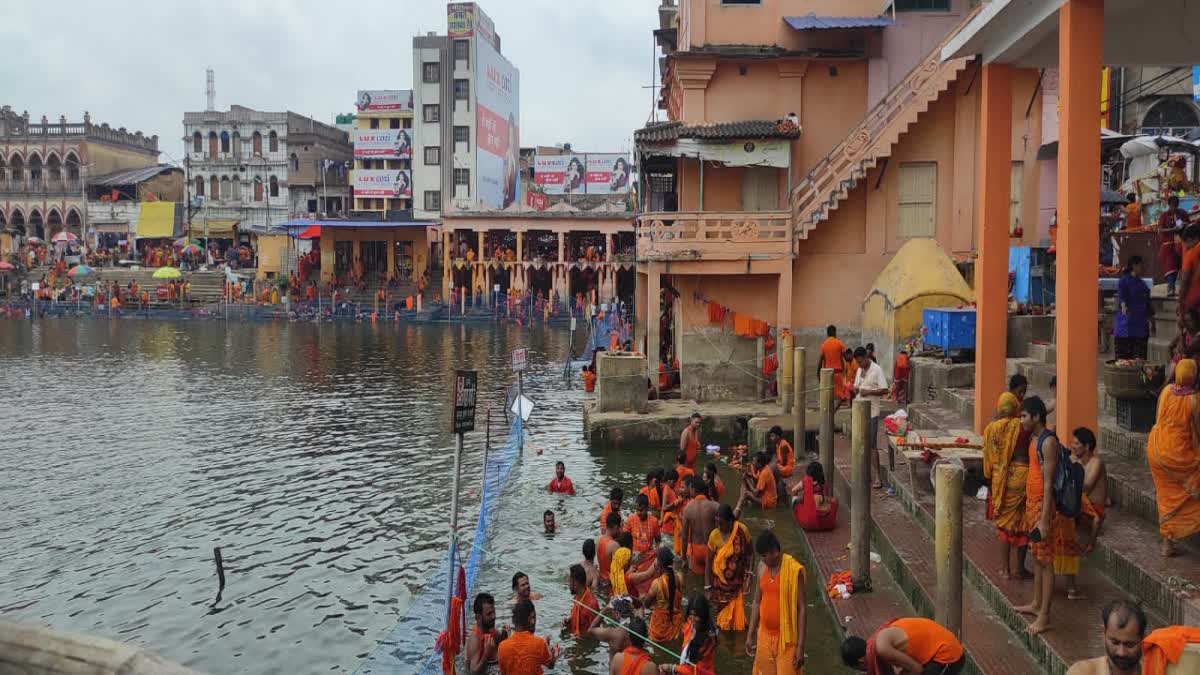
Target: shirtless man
(1124, 628)
(609, 625)
(699, 519)
(589, 565)
(633, 660)
(484, 638)
(522, 590)
(1095, 490)
(689, 441)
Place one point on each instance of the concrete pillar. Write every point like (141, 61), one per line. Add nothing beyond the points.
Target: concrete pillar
(391, 254)
(825, 437)
(328, 257)
(1080, 57)
(799, 400)
(653, 310)
(520, 246)
(480, 253)
(561, 245)
(783, 297)
(758, 362)
(639, 310)
(447, 271)
(860, 496)
(948, 545)
(608, 247)
(991, 272)
(784, 353)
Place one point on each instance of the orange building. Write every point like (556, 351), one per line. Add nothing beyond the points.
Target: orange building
(806, 142)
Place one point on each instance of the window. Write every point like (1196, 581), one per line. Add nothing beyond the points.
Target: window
(374, 124)
(760, 188)
(462, 91)
(407, 122)
(274, 186)
(225, 142)
(922, 5)
(433, 155)
(1015, 195)
(433, 200)
(274, 142)
(197, 142)
(199, 185)
(741, 2)
(212, 145)
(462, 50)
(431, 113)
(258, 190)
(257, 144)
(237, 145)
(431, 72)
(462, 135)
(918, 186)
(394, 123)
(214, 192)
(463, 177)
(295, 162)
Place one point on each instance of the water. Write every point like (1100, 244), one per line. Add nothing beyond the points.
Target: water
(316, 456)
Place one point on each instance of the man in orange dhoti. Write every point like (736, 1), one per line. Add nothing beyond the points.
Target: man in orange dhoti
(779, 612)
(1006, 466)
(832, 350)
(1173, 451)
(785, 456)
(729, 565)
(524, 653)
(646, 534)
(584, 606)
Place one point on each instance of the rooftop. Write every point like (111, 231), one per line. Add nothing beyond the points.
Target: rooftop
(812, 21)
(132, 176)
(666, 132)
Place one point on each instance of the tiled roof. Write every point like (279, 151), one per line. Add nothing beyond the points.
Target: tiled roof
(813, 22)
(665, 132)
(132, 176)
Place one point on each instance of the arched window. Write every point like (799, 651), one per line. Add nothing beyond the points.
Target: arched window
(225, 142)
(237, 145)
(199, 186)
(274, 138)
(72, 163)
(54, 169)
(258, 190)
(35, 169)
(73, 218)
(54, 220)
(257, 144)
(295, 162)
(274, 186)
(212, 145)
(3, 169)
(17, 168)
(1171, 113)
(214, 187)
(225, 189)
(236, 184)
(197, 143)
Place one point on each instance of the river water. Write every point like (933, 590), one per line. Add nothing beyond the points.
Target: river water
(317, 457)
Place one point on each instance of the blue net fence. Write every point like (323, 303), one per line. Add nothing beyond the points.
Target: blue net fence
(410, 646)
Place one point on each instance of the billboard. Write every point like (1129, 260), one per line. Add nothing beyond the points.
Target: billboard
(497, 127)
(460, 19)
(383, 143)
(608, 174)
(393, 183)
(384, 100)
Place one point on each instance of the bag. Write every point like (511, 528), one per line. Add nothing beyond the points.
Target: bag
(1067, 482)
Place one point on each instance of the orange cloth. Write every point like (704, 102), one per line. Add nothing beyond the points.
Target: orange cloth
(1060, 546)
(602, 560)
(583, 610)
(1165, 646)
(768, 608)
(832, 350)
(1133, 216)
(408, 303)
(664, 380)
(691, 450)
(1001, 442)
(634, 659)
(929, 642)
(644, 532)
(683, 471)
(785, 458)
(1173, 452)
(732, 558)
(743, 325)
(704, 664)
(1191, 265)
(604, 515)
(523, 653)
(589, 381)
(766, 488)
(666, 621)
(720, 487)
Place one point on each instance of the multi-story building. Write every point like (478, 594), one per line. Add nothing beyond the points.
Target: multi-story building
(466, 101)
(1156, 100)
(114, 203)
(44, 166)
(383, 151)
(241, 162)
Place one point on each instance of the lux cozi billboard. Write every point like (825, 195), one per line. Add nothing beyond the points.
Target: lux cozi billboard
(384, 100)
(383, 143)
(593, 174)
(497, 127)
(392, 183)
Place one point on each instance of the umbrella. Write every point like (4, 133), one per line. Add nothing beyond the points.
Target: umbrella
(81, 271)
(6, 266)
(310, 232)
(167, 273)
(183, 241)
(33, 240)
(190, 249)
(64, 236)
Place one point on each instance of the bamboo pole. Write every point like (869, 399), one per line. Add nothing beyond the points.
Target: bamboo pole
(948, 550)
(860, 496)
(800, 401)
(826, 433)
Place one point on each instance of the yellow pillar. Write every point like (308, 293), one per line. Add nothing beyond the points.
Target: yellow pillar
(1080, 58)
(479, 253)
(991, 271)
(520, 246)
(328, 256)
(391, 254)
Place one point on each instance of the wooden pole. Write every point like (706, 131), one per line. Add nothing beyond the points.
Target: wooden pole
(799, 401)
(860, 496)
(786, 379)
(948, 545)
(762, 382)
(826, 433)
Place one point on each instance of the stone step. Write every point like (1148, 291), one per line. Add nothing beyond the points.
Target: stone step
(1163, 305)
(908, 560)
(1159, 348)
(1166, 325)
(1043, 352)
(1038, 373)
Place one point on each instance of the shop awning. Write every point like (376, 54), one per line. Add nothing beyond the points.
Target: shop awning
(310, 232)
(213, 228)
(812, 21)
(156, 220)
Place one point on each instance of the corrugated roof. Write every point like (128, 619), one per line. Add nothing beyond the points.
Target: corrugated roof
(812, 21)
(665, 132)
(131, 176)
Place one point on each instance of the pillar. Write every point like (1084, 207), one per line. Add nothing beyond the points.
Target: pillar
(783, 352)
(860, 496)
(328, 256)
(520, 246)
(825, 437)
(479, 252)
(653, 310)
(608, 247)
(447, 270)
(948, 545)
(800, 402)
(391, 254)
(561, 236)
(991, 271)
(783, 297)
(1080, 57)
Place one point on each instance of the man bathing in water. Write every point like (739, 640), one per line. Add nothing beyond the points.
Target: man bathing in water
(522, 590)
(699, 520)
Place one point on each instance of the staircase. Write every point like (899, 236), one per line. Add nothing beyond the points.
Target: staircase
(832, 179)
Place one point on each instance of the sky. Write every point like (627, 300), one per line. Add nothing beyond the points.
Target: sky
(138, 64)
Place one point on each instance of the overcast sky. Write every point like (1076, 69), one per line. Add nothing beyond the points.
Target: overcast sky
(140, 64)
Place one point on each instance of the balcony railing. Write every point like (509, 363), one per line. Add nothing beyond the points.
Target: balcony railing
(714, 235)
(40, 187)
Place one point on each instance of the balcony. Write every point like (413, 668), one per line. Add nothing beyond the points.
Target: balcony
(714, 235)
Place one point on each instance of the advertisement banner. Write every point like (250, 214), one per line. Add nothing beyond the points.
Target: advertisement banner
(497, 128)
(393, 183)
(460, 19)
(560, 174)
(384, 100)
(608, 174)
(536, 200)
(383, 143)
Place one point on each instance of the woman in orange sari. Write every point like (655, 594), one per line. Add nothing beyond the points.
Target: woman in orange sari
(1173, 451)
(1006, 469)
(665, 599)
(731, 556)
(699, 641)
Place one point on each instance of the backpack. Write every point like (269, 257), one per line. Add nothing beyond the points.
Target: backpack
(1067, 482)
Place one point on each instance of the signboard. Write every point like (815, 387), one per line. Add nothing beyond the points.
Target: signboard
(520, 360)
(757, 152)
(394, 183)
(384, 100)
(497, 127)
(608, 174)
(1196, 84)
(560, 174)
(464, 401)
(460, 19)
(536, 200)
(383, 143)
(522, 406)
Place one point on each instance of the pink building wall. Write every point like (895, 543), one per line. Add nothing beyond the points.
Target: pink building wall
(904, 44)
(708, 22)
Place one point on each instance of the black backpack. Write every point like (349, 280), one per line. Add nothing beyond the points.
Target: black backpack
(1068, 477)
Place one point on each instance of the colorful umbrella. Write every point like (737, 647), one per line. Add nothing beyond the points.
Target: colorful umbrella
(64, 236)
(167, 273)
(81, 271)
(183, 241)
(190, 249)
